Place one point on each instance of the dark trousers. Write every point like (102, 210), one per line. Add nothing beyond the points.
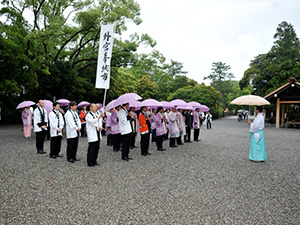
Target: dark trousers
(179, 140)
(145, 139)
(132, 139)
(196, 134)
(109, 139)
(117, 141)
(208, 124)
(72, 145)
(55, 145)
(125, 145)
(159, 141)
(93, 151)
(187, 137)
(82, 131)
(172, 142)
(40, 138)
(153, 135)
(166, 137)
(48, 131)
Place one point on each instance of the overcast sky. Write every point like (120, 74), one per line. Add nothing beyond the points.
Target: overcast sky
(198, 33)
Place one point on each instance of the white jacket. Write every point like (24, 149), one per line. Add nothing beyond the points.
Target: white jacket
(53, 120)
(124, 122)
(37, 118)
(71, 126)
(92, 126)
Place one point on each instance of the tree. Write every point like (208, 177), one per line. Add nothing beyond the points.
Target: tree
(220, 79)
(147, 88)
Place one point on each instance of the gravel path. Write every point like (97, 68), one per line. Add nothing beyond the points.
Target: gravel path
(210, 182)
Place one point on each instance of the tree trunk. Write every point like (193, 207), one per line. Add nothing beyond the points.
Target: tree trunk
(224, 102)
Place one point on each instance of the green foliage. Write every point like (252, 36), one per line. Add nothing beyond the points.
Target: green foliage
(147, 88)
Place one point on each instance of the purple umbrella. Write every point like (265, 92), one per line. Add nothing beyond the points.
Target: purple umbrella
(25, 104)
(110, 105)
(136, 104)
(167, 105)
(151, 103)
(179, 102)
(195, 104)
(63, 102)
(83, 103)
(188, 107)
(204, 108)
(127, 98)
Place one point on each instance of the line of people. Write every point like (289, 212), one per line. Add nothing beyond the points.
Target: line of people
(122, 125)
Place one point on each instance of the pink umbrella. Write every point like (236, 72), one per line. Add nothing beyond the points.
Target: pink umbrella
(110, 105)
(167, 105)
(83, 103)
(63, 102)
(179, 102)
(188, 107)
(127, 98)
(204, 108)
(195, 104)
(151, 103)
(25, 104)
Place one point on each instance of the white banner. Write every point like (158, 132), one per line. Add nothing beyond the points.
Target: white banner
(104, 56)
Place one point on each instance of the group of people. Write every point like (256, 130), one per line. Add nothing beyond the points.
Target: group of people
(122, 124)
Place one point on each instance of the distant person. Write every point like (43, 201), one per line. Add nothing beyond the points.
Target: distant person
(40, 120)
(197, 124)
(161, 128)
(174, 128)
(56, 126)
(115, 129)
(188, 126)
(27, 118)
(257, 147)
(83, 114)
(134, 127)
(73, 127)
(181, 125)
(208, 120)
(272, 118)
(144, 125)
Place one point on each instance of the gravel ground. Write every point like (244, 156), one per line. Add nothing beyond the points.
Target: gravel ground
(210, 182)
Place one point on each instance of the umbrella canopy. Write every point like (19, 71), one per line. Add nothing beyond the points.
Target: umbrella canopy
(151, 103)
(130, 98)
(188, 107)
(135, 104)
(63, 102)
(179, 102)
(250, 100)
(110, 105)
(83, 103)
(195, 104)
(25, 104)
(167, 105)
(204, 108)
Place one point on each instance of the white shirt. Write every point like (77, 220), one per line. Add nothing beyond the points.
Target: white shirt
(92, 126)
(125, 127)
(208, 117)
(54, 123)
(71, 126)
(258, 123)
(37, 118)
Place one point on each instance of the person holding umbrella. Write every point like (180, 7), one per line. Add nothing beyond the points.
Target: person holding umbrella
(257, 146)
(27, 121)
(144, 125)
(161, 128)
(40, 126)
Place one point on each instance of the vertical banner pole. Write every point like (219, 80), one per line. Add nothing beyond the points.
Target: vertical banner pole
(104, 97)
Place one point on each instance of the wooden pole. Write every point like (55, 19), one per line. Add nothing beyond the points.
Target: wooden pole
(282, 115)
(277, 112)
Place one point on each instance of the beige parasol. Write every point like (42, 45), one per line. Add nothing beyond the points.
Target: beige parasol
(250, 100)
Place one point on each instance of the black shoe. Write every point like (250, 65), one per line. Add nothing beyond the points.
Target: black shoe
(131, 147)
(159, 149)
(148, 153)
(77, 159)
(180, 144)
(97, 164)
(91, 165)
(43, 152)
(164, 149)
(115, 150)
(129, 158)
(40, 152)
(53, 156)
(71, 160)
(144, 154)
(135, 146)
(173, 146)
(59, 156)
(126, 159)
